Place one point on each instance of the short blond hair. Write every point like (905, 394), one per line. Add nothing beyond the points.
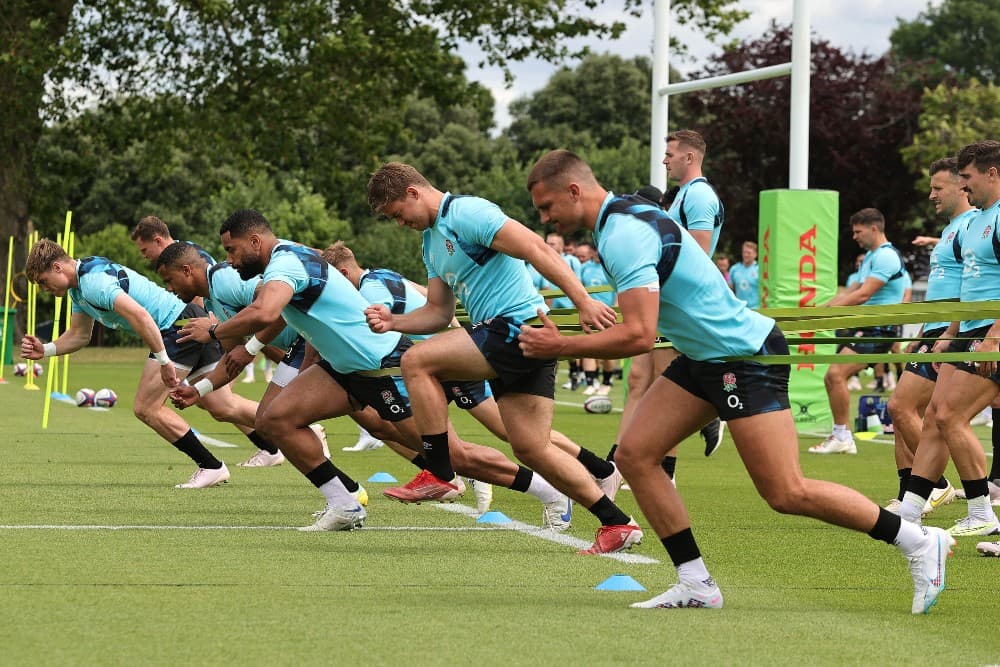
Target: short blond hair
(338, 254)
(389, 184)
(41, 257)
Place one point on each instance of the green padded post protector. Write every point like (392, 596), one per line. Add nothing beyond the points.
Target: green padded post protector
(798, 268)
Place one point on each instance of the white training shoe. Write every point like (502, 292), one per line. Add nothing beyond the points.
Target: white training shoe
(361, 496)
(927, 567)
(893, 505)
(610, 484)
(591, 389)
(321, 434)
(365, 443)
(988, 548)
(206, 477)
(483, 493)
(853, 383)
(338, 518)
(263, 459)
(833, 445)
(556, 514)
(968, 527)
(603, 390)
(686, 594)
(938, 498)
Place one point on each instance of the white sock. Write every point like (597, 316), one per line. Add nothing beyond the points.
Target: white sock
(336, 493)
(693, 570)
(364, 433)
(912, 507)
(840, 432)
(981, 509)
(910, 538)
(541, 489)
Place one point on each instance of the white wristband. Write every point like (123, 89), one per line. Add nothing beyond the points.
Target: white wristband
(161, 357)
(204, 386)
(254, 346)
(49, 350)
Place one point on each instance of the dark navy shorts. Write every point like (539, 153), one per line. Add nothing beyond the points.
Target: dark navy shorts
(517, 374)
(385, 393)
(198, 358)
(466, 394)
(925, 369)
(861, 347)
(736, 388)
(970, 346)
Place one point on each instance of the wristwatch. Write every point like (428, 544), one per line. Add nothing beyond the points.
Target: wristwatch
(211, 331)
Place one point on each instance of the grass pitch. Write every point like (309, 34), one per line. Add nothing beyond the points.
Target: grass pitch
(106, 563)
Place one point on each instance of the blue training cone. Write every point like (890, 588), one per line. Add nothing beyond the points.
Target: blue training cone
(493, 517)
(382, 477)
(619, 582)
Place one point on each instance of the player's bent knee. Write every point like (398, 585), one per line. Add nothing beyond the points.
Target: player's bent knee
(792, 499)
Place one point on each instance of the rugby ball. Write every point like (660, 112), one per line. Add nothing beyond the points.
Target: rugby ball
(105, 398)
(85, 398)
(598, 405)
(21, 369)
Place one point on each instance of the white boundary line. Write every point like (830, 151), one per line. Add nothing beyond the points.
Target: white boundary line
(517, 526)
(548, 535)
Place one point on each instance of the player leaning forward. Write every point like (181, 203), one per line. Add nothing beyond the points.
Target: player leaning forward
(664, 280)
(120, 298)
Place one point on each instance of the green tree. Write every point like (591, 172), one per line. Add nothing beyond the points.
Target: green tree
(306, 86)
(957, 35)
(951, 117)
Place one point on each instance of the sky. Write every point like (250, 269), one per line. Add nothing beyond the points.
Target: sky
(854, 25)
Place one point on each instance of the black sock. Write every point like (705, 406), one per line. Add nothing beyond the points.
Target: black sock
(522, 479)
(974, 488)
(191, 445)
(326, 471)
(904, 477)
(611, 452)
(606, 377)
(669, 464)
(920, 486)
(941, 483)
(594, 464)
(436, 453)
(608, 513)
(419, 461)
(886, 527)
(322, 473)
(261, 443)
(591, 376)
(681, 547)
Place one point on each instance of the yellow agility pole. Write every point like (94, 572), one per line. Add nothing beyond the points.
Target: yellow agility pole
(32, 319)
(70, 249)
(8, 286)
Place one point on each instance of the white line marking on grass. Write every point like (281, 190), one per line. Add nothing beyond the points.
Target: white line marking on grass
(208, 440)
(570, 404)
(548, 535)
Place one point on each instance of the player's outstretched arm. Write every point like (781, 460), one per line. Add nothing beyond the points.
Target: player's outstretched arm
(76, 337)
(516, 240)
(634, 335)
(144, 326)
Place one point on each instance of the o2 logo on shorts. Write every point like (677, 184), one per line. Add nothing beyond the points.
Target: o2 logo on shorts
(729, 382)
(734, 402)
